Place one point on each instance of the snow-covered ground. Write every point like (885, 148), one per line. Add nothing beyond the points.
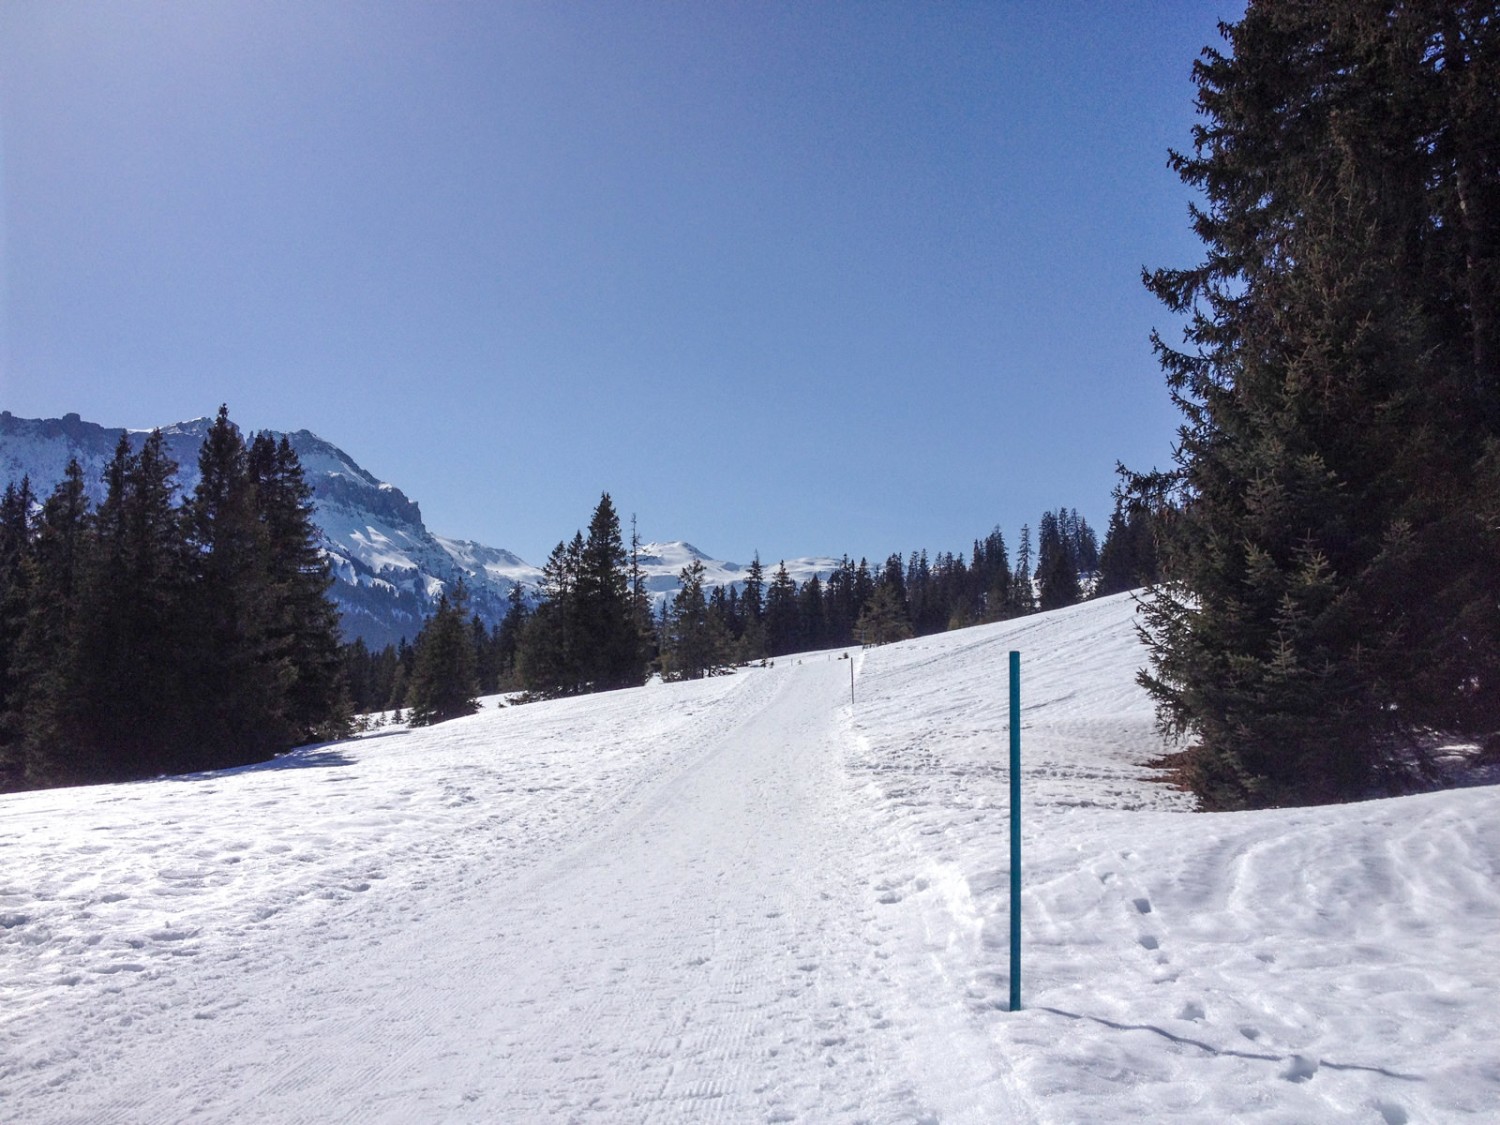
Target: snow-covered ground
(743, 900)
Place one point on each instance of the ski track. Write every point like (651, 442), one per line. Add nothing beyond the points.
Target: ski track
(705, 942)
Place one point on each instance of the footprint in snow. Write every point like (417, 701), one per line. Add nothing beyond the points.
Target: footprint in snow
(1301, 1069)
(1192, 1011)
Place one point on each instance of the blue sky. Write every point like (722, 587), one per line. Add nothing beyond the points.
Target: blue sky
(800, 278)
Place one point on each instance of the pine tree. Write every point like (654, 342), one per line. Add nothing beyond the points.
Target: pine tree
(1128, 559)
(1023, 589)
(508, 636)
(44, 653)
(810, 614)
(548, 660)
(236, 694)
(444, 684)
(609, 643)
(884, 618)
(838, 601)
(640, 604)
(781, 618)
(694, 648)
(995, 578)
(1057, 561)
(15, 599)
(302, 622)
(123, 707)
(1330, 569)
(752, 612)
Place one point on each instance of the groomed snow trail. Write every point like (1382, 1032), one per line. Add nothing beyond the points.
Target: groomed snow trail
(714, 944)
(719, 953)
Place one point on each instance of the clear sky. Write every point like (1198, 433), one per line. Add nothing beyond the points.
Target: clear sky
(802, 278)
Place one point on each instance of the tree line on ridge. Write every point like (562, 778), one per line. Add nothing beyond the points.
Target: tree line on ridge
(593, 626)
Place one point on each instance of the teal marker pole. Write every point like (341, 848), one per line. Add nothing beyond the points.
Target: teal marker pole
(1015, 832)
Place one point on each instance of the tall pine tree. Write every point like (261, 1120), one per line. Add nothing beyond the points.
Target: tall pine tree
(1330, 567)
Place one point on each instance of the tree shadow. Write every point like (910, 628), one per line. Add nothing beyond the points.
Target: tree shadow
(315, 756)
(1293, 1060)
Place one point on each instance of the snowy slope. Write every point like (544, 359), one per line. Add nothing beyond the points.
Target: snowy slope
(744, 899)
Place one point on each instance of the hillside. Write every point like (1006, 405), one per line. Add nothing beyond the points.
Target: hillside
(744, 899)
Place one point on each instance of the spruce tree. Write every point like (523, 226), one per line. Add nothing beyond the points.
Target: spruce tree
(781, 616)
(124, 704)
(236, 695)
(15, 600)
(838, 600)
(1128, 557)
(1023, 588)
(44, 654)
(549, 659)
(508, 636)
(640, 605)
(302, 623)
(444, 684)
(752, 612)
(609, 643)
(1057, 561)
(1330, 562)
(694, 646)
(884, 618)
(814, 631)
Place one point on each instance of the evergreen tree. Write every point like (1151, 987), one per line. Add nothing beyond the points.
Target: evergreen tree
(1057, 561)
(236, 694)
(839, 614)
(810, 614)
(640, 604)
(884, 618)
(1128, 558)
(444, 684)
(15, 597)
(44, 652)
(781, 617)
(992, 570)
(1330, 561)
(486, 667)
(301, 627)
(508, 635)
(609, 642)
(123, 706)
(752, 612)
(694, 648)
(549, 659)
(1023, 590)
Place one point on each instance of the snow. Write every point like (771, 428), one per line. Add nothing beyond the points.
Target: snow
(742, 899)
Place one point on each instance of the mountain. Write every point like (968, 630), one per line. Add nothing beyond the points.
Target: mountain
(388, 568)
(662, 562)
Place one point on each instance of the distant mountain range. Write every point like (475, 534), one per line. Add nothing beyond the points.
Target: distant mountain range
(388, 568)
